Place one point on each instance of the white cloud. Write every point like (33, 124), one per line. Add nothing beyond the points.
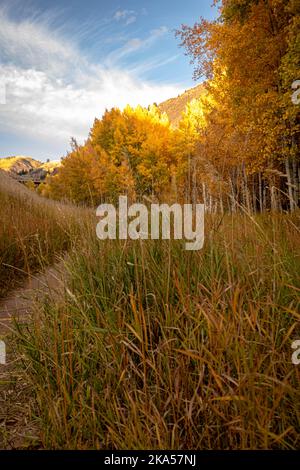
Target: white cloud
(120, 14)
(130, 20)
(159, 31)
(55, 93)
(31, 44)
(40, 105)
(134, 45)
(128, 16)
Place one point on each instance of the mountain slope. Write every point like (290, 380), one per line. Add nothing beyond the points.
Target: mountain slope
(174, 107)
(19, 164)
(20, 167)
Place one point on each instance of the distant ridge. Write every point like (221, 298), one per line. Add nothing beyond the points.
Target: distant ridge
(174, 107)
(27, 168)
(19, 164)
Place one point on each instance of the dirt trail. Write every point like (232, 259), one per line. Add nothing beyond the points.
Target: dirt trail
(17, 430)
(19, 303)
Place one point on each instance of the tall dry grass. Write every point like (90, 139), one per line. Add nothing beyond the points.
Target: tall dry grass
(32, 231)
(153, 347)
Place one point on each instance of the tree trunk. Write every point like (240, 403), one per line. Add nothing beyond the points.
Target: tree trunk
(290, 185)
(260, 192)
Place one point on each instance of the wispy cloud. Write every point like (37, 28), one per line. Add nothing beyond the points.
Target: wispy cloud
(135, 44)
(130, 20)
(40, 105)
(151, 64)
(128, 16)
(32, 44)
(55, 92)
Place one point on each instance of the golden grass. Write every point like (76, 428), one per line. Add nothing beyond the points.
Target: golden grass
(153, 347)
(32, 231)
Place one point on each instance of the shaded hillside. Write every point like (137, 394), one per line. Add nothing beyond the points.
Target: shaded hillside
(19, 164)
(27, 168)
(174, 107)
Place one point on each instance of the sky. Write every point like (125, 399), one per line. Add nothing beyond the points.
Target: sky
(63, 62)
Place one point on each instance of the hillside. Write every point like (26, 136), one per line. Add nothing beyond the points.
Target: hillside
(21, 167)
(19, 164)
(174, 107)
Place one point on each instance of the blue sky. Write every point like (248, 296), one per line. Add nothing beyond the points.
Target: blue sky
(62, 63)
